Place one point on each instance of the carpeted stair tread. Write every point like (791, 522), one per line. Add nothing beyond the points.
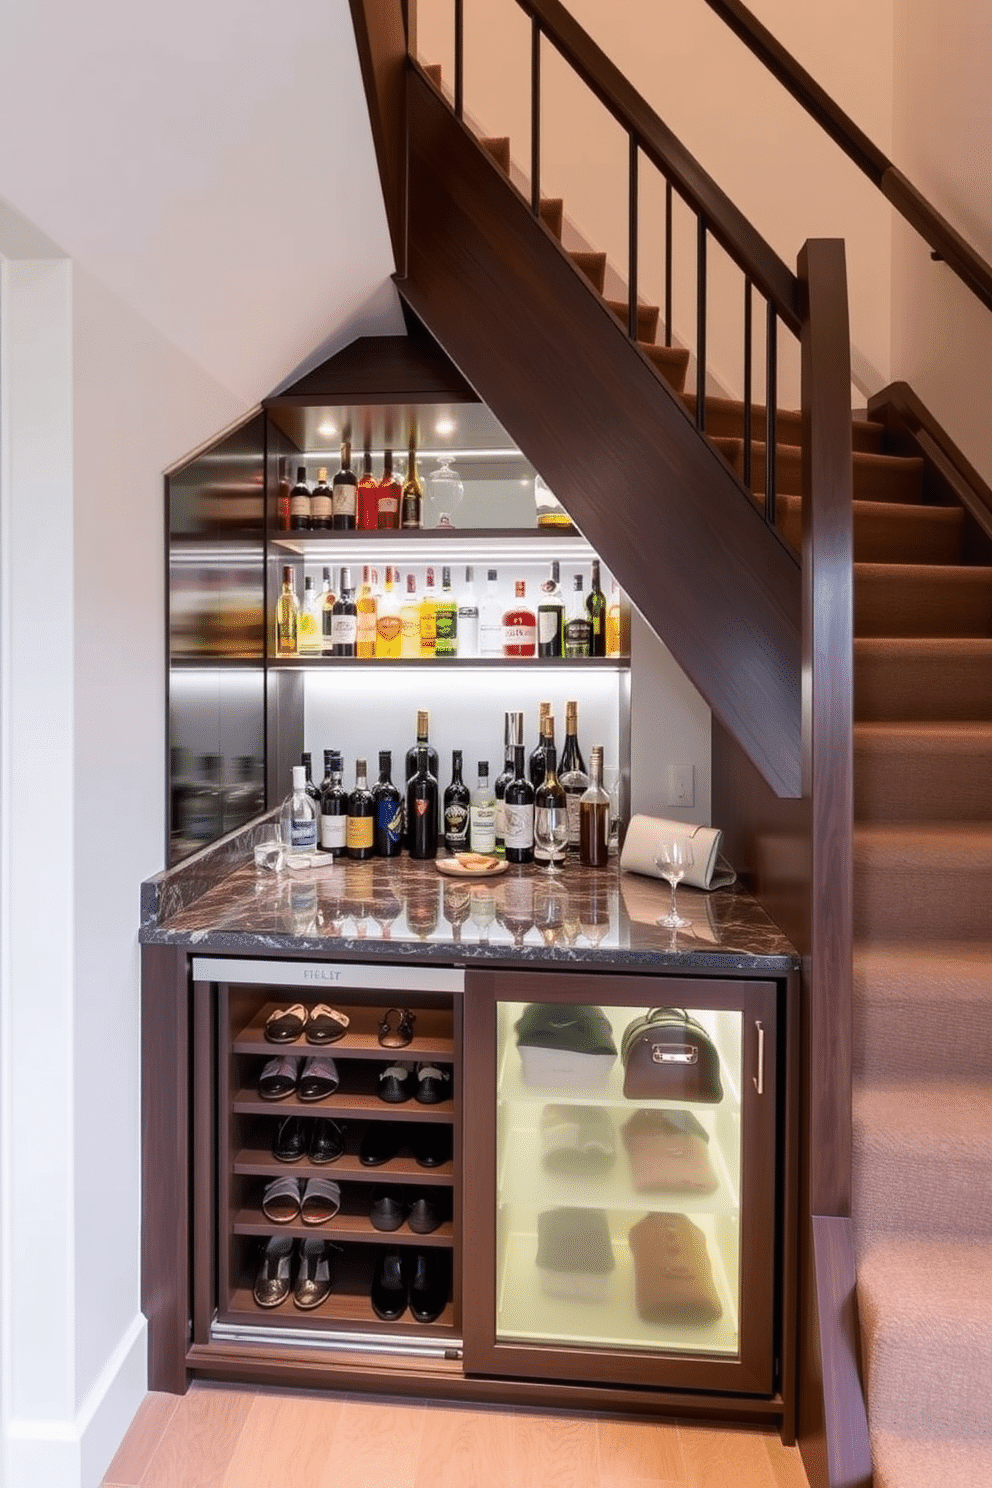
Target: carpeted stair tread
(921, 1165)
(926, 1325)
(499, 148)
(892, 479)
(907, 1462)
(553, 214)
(433, 71)
(671, 361)
(593, 265)
(922, 885)
(725, 418)
(647, 318)
(899, 599)
(929, 679)
(887, 532)
(898, 987)
(923, 772)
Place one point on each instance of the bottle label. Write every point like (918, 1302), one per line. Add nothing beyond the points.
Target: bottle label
(344, 630)
(320, 507)
(548, 625)
(333, 832)
(456, 821)
(428, 633)
(446, 633)
(519, 820)
(410, 632)
(343, 500)
(388, 628)
(299, 506)
(389, 820)
(365, 628)
(522, 636)
(572, 799)
(491, 639)
(303, 834)
(578, 634)
(500, 820)
(359, 832)
(482, 826)
(389, 506)
(308, 632)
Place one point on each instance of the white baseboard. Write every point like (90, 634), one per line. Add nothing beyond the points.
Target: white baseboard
(76, 1453)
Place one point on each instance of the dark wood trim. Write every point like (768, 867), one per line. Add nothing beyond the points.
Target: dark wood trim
(837, 1453)
(947, 243)
(380, 369)
(727, 224)
(381, 36)
(203, 1195)
(589, 411)
(912, 429)
(165, 1241)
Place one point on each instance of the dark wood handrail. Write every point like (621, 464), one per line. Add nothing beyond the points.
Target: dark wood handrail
(769, 273)
(946, 242)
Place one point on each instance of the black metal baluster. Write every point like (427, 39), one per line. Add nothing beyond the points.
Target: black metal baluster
(459, 56)
(632, 243)
(771, 403)
(747, 381)
(668, 263)
(535, 117)
(701, 323)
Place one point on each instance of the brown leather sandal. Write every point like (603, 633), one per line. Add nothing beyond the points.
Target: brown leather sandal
(400, 1036)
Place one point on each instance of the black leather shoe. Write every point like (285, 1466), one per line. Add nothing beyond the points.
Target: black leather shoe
(425, 1215)
(428, 1286)
(432, 1145)
(389, 1290)
(387, 1211)
(278, 1078)
(396, 1083)
(319, 1077)
(433, 1084)
(327, 1141)
(291, 1140)
(379, 1145)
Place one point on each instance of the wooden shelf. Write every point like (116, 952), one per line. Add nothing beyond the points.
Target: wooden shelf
(364, 1107)
(432, 1036)
(342, 1310)
(342, 1227)
(450, 537)
(258, 1162)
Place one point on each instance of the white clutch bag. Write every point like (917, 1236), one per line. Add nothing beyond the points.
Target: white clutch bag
(708, 871)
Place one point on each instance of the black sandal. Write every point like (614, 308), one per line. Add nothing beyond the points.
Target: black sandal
(400, 1036)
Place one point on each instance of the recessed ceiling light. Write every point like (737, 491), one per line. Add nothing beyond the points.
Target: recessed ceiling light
(445, 425)
(327, 429)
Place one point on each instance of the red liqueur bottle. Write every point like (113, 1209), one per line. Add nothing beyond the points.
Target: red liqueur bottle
(520, 625)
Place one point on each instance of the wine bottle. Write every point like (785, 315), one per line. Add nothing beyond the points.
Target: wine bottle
(423, 741)
(594, 815)
(535, 765)
(367, 496)
(513, 734)
(482, 813)
(366, 607)
(428, 617)
(456, 807)
(422, 807)
(387, 831)
(297, 816)
(344, 618)
(306, 760)
(446, 619)
(551, 616)
(578, 627)
(572, 774)
(388, 639)
(520, 625)
(468, 617)
(333, 807)
(299, 502)
(410, 620)
(287, 616)
(361, 815)
(327, 600)
(549, 795)
(344, 493)
(321, 502)
(491, 619)
(596, 610)
(283, 495)
(388, 503)
(412, 502)
(518, 808)
(309, 624)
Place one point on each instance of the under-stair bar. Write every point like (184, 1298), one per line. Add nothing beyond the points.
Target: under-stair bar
(945, 242)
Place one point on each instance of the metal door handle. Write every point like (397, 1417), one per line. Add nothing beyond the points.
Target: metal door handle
(759, 1078)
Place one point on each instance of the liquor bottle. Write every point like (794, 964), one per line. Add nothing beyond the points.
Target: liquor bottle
(549, 795)
(327, 599)
(520, 625)
(287, 617)
(412, 502)
(578, 627)
(321, 502)
(551, 617)
(333, 807)
(299, 502)
(596, 610)
(421, 807)
(535, 765)
(482, 813)
(572, 774)
(297, 816)
(456, 807)
(428, 617)
(410, 620)
(423, 742)
(306, 760)
(344, 618)
(614, 623)
(594, 815)
(446, 619)
(343, 493)
(518, 807)
(387, 620)
(309, 624)
(491, 619)
(468, 617)
(367, 496)
(361, 815)
(550, 512)
(387, 831)
(366, 608)
(282, 495)
(513, 734)
(388, 500)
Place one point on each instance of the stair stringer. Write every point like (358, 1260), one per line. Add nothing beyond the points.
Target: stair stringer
(719, 586)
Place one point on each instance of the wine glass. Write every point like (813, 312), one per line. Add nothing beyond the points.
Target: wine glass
(673, 856)
(551, 832)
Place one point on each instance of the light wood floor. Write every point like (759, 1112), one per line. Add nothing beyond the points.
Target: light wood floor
(224, 1437)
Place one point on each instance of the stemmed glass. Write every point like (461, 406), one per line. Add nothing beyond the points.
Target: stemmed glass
(551, 832)
(673, 856)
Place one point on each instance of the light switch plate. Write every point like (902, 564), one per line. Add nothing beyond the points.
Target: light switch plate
(680, 786)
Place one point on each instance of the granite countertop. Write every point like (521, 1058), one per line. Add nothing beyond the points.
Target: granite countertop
(400, 908)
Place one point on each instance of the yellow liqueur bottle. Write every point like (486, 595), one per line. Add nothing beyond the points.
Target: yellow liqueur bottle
(388, 625)
(428, 618)
(287, 616)
(410, 621)
(366, 607)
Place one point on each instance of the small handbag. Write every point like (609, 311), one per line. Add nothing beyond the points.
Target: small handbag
(669, 1056)
(708, 869)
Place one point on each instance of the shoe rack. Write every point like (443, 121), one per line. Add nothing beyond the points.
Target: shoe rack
(247, 1127)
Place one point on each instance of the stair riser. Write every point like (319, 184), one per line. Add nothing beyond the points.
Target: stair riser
(726, 418)
(896, 785)
(903, 904)
(891, 604)
(920, 1192)
(939, 1385)
(886, 480)
(922, 689)
(887, 1038)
